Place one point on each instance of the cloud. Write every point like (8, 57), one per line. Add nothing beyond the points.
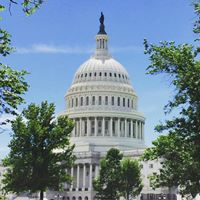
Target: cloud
(56, 49)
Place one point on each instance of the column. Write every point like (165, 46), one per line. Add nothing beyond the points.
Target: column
(111, 130)
(90, 177)
(96, 171)
(131, 124)
(95, 126)
(118, 127)
(80, 131)
(88, 127)
(103, 126)
(73, 131)
(136, 129)
(77, 178)
(84, 176)
(143, 130)
(139, 129)
(72, 175)
(126, 132)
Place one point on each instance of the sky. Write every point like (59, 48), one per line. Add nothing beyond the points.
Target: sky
(52, 43)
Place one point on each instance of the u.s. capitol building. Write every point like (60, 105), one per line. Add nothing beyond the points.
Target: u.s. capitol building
(103, 105)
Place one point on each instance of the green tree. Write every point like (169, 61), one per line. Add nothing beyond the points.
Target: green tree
(180, 147)
(107, 184)
(131, 182)
(40, 151)
(12, 84)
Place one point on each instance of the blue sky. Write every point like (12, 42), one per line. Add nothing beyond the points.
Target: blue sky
(52, 43)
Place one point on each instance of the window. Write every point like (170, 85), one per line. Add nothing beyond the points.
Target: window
(151, 166)
(85, 127)
(81, 75)
(105, 74)
(122, 76)
(106, 127)
(124, 103)
(95, 74)
(106, 100)
(72, 103)
(87, 101)
(100, 100)
(132, 103)
(118, 101)
(115, 74)
(128, 103)
(100, 74)
(90, 74)
(119, 75)
(92, 127)
(86, 75)
(93, 100)
(110, 74)
(99, 127)
(81, 101)
(113, 101)
(76, 101)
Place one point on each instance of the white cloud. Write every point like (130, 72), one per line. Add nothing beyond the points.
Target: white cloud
(54, 49)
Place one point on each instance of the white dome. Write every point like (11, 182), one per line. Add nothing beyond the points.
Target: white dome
(101, 67)
(103, 104)
(94, 64)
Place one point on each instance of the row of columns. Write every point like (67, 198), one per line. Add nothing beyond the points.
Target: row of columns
(119, 127)
(83, 176)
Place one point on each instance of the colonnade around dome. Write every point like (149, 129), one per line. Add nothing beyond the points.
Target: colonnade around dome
(108, 127)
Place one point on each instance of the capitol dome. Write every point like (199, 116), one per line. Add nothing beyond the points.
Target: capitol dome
(103, 104)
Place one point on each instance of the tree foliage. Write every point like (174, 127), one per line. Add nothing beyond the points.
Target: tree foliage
(117, 178)
(40, 151)
(12, 84)
(131, 182)
(180, 147)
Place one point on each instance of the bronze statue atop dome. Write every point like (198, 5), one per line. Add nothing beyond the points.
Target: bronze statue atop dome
(102, 27)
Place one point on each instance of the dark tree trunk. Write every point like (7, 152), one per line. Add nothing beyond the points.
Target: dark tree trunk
(41, 195)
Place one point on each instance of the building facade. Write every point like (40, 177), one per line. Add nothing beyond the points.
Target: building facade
(103, 105)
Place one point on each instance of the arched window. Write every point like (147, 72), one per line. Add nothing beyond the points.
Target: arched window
(81, 101)
(118, 101)
(72, 103)
(106, 100)
(122, 75)
(86, 198)
(113, 101)
(90, 74)
(128, 103)
(76, 101)
(95, 74)
(100, 101)
(93, 100)
(85, 74)
(73, 198)
(105, 74)
(110, 74)
(115, 74)
(79, 198)
(81, 75)
(124, 102)
(119, 75)
(100, 74)
(87, 101)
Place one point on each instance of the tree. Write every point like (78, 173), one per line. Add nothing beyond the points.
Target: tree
(107, 184)
(12, 84)
(180, 147)
(131, 182)
(40, 151)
